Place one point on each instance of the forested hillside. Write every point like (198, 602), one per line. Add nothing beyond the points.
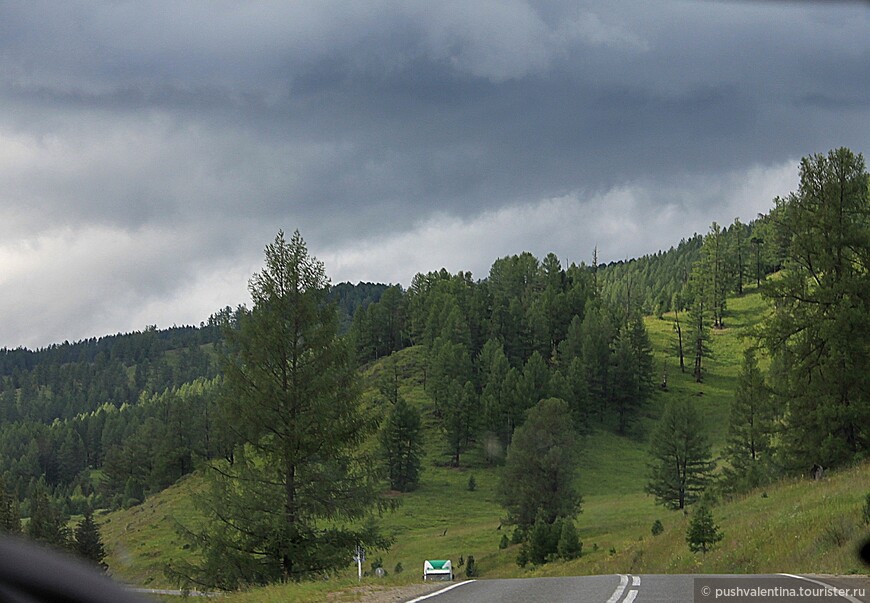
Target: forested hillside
(101, 423)
(514, 370)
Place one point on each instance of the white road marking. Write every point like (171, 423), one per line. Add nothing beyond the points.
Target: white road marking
(442, 591)
(635, 580)
(828, 586)
(629, 598)
(623, 582)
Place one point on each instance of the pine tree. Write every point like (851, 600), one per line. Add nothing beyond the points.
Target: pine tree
(296, 498)
(537, 483)
(402, 446)
(88, 542)
(750, 428)
(682, 461)
(702, 533)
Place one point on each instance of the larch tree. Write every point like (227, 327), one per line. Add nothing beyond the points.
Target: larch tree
(750, 428)
(819, 330)
(299, 494)
(682, 462)
(537, 482)
(402, 445)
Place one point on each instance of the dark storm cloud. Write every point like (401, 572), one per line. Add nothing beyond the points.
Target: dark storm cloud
(206, 126)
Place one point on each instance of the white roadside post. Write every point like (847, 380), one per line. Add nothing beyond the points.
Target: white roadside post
(359, 556)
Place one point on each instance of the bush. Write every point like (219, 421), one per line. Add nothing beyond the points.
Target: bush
(569, 546)
(657, 528)
(518, 537)
(523, 556)
(472, 483)
(504, 542)
(470, 567)
(398, 569)
(544, 541)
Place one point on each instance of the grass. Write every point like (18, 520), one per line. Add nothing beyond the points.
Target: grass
(798, 526)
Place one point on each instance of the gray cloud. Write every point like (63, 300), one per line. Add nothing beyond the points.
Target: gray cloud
(180, 136)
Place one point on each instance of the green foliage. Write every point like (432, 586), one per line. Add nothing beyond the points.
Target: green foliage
(543, 542)
(10, 514)
(399, 568)
(702, 533)
(817, 336)
(294, 497)
(472, 484)
(569, 546)
(504, 542)
(47, 521)
(751, 429)
(657, 528)
(471, 568)
(401, 440)
(681, 458)
(537, 481)
(88, 542)
(649, 283)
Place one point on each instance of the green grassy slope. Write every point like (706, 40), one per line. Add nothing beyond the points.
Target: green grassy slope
(794, 526)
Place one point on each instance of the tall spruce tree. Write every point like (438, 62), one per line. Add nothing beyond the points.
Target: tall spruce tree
(295, 500)
(681, 458)
(821, 324)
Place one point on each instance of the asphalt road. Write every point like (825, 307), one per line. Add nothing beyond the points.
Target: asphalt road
(656, 589)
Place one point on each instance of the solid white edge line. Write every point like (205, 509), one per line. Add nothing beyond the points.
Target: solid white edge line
(629, 598)
(623, 582)
(820, 583)
(439, 592)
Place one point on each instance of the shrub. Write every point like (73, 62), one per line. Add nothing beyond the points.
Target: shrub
(472, 483)
(544, 541)
(702, 533)
(504, 542)
(569, 546)
(657, 528)
(471, 567)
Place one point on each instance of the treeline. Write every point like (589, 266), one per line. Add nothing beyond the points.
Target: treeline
(495, 347)
(658, 283)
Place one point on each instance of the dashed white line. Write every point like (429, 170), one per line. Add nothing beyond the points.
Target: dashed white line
(635, 580)
(440, 592)
(629, 598)
(623, 582)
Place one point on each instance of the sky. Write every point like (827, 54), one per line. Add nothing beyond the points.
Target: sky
(149, 151)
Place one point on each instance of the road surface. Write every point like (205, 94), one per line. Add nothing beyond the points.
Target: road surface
(628, 588)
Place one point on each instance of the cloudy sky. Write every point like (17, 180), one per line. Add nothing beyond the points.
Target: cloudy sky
(149, 151)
